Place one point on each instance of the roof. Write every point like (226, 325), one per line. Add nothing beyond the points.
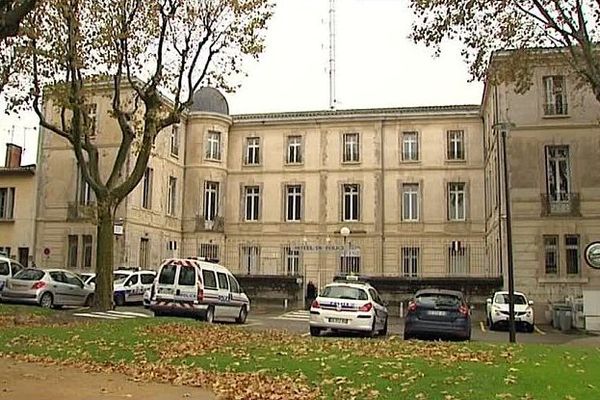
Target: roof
(24, 169)
(440, 291)
(208, 99)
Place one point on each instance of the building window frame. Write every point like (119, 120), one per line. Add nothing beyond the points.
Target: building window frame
(551, 254)
(88, 247)
(147, 188)
(459, 258)
(172, 196)
(351, 147)
(292, 261)
(351, 206)
(294, 150)
(7, 203)
(411, 257)
(144, 254)
(457, 201)
(213, 145)
(410, 146)
(174, 140)
(555, 96)
(350, 264)
(455, 145)
(411, 201)
(211, 200)
(250, 258)
(252, 154)
(293, 202)
(572, 254)
(558, 173)
(252, 203)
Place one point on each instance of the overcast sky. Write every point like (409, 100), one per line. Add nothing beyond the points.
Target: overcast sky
(377, 66)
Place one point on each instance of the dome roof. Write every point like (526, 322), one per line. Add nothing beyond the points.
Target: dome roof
(209, 99)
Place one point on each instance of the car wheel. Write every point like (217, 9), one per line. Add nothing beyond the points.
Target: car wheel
(89, 301)
(241, 319)
(158, 313)
(373, 331)
(383, 332)
(210, 315)
(119, 299)
(530, 328)
(407, 336)
(47, 301)
(315, 331)
(491, 325)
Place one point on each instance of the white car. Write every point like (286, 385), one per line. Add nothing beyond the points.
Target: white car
(132, 285)
(349, 305)
(497, 311)
(147, 297)
(8, 269)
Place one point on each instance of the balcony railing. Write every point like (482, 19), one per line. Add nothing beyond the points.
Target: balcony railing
(556, 109)
(567, 205)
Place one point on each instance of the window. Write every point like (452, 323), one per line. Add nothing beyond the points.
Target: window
(292, 261)
(410, 202)
(458, 258)
(223, 284)
(209, 251)
(211, 200)
(410, 146)
(144, 253)
(456, 201)
(233, 284)
(187, 275)
(252, 151)
(85, 191)
(209, 278)
(410, 261)
(551, 254)
(250, 258)
(456, 145)
(93, 116)
(147, 188)
(294, 150)
(87, 251)
(555, 101)
(167, 274)
(4, 268)
(213, 148)
(572, 254)
(349, 264)
(175, 140)
(557, 173)
(7, 203)
(351, 202)
(5, 251)
(252, 203)
(172, 196)
(293, 203)
(147, 279)
(133, 280)
(73, 242)
(351, 150)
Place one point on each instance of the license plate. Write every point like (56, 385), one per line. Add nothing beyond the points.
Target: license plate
(437, 313)
(338, 320)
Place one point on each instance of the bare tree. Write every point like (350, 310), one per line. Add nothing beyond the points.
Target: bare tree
(524, 26)
(151, 56)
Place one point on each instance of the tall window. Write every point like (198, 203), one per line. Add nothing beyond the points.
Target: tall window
(87, 251)
(147, 189)
(351, 202)
(551, 254)
(294, 150)
(213, 148)
(209, 251)
(144, 253)
(293, 203)
(456, 145)
(93, 116)
(410, 201)
(253, 151)
(172, 196)
(250, 259)
(557, 173)
(252, 203)
(7, 203)
(292, 261)
(410, 261)
(349, 264)
(456, 201)
(211, 200)
(410, 146)
(85, 192)
(572, 254)
(555, 101)
(175, 140)
(73, 242)
(458, 258)
(351, 147)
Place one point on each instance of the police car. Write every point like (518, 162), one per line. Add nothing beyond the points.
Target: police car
(349, 305)
(131, 285)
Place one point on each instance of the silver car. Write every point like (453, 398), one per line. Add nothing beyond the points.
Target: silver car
(48, 288)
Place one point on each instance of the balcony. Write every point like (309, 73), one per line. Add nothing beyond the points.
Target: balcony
(81, 212)
(568, 205)
(216, 225)
(558, 108)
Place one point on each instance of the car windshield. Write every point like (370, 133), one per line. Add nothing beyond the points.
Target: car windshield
(438, 299)
(30, 275)
(119, 277)
(344, 292)
(502, 298)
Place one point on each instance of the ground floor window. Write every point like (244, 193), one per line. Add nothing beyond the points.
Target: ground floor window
(410, 261)
(349, 264)
(144, 253)
(291, 261)
(250, 259)
(458, 258)
(209, 251)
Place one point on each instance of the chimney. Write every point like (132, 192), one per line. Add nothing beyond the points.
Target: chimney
(13, 155)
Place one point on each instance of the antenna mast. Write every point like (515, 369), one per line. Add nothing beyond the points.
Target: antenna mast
(332, 99)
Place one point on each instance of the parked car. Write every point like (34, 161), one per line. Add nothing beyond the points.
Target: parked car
(89, 278)
(349, 305)
(8, 269)
(147, 296)
(130, 287)
(497, 311)
(48, 288)
(438, 313)
(199, 288)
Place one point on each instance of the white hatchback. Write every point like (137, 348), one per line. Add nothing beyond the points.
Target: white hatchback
(497, 311)
(349, 305)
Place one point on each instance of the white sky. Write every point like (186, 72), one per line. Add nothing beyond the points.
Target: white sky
(376, 66)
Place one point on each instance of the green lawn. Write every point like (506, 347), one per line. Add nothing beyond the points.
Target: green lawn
(222, 356)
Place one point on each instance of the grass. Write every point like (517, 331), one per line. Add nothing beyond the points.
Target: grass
(340, 368)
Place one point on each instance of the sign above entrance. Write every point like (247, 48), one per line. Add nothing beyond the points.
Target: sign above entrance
(592, 255)
(318, 247)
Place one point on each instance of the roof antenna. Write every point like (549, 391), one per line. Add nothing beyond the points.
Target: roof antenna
(332, 99)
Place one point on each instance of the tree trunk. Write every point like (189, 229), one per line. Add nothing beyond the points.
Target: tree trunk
(103, 299)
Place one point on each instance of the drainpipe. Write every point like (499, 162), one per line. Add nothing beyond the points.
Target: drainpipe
(382, 196)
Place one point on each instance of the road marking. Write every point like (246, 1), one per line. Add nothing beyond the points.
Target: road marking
(94, 315)
(299, 315)
(250, 324)
(129, 313)
(538, 330)
(114, 315)
(481, 326)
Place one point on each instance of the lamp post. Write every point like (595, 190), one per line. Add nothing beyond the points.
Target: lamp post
(512, 336)
(345, 232)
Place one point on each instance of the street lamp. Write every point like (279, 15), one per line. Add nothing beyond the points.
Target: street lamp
(504, 128)
(345, 232)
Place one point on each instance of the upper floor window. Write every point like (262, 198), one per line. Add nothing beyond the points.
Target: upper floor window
(456, 201)
(93, 116)
(213, 147)
(293, 203)
(351, 147)
(172, 196)
(252, 151)
(456, 145)
(351, 202)
(557, 173)
(175, 140)
(252, 203)
(147, 188)
(294, 150)
(211, 200)
(7, 203)
(410, 202)
(410, 146)
(85, 192)
(555, 95)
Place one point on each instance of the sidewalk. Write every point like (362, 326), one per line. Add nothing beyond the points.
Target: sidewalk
(24, 381)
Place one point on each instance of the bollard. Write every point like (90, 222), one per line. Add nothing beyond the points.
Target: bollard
(285, 304)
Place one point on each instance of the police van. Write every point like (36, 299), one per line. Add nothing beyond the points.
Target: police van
(200, 288)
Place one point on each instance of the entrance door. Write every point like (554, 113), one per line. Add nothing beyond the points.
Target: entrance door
(24, 256)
